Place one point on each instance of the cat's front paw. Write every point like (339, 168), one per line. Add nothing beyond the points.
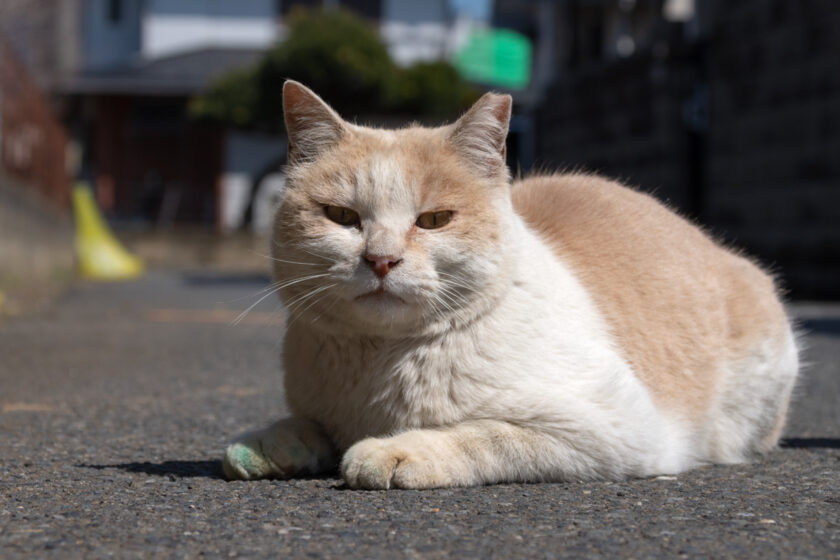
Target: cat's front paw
(283, 450)
(245, 460)
(379, 464)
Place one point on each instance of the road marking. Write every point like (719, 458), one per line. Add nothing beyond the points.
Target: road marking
(218, 316)
(28, 407)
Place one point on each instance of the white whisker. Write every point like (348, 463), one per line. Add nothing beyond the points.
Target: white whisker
(305, 296)
(253, 305)
(297, 313)
(275, 259)
(273, 289)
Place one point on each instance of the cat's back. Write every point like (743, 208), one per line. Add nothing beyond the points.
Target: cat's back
(681, 307)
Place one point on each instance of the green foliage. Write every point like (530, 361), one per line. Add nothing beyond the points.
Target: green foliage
(432, 89)
(232, 99)
(343, 59)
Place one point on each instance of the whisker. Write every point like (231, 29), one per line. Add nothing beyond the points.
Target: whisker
(453, 280)
(314, 254)
(253, 305)
(330, 304)
(273, 289)
(271, 286)
(275, 259)
(303, 297)
(314, 301)
(454, 302)
(459, 298)
(318, 255)
(299, 279)
(297, 313)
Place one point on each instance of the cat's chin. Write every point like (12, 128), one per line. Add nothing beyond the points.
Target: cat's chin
(380, 297)
(381, 303)
(383, 313)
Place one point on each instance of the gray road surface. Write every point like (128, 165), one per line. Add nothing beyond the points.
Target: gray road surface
(116, 403)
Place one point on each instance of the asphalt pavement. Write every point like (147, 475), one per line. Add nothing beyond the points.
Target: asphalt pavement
(116, 403)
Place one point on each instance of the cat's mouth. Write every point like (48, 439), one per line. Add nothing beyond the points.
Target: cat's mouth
(380, 294)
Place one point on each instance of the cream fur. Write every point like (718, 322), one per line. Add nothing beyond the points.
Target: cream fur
(504, 348)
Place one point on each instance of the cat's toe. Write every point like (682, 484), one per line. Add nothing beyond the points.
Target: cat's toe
(418, 472)
(375, 464)
(286, 448)
(368, 465)
(244, 462)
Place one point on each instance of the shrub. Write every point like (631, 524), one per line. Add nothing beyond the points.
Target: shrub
(342, 58)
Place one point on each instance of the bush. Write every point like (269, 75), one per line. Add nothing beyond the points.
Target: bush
(432, 89)
(343, 59)
(232, 99)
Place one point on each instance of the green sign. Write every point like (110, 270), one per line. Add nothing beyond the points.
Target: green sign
(498, 57)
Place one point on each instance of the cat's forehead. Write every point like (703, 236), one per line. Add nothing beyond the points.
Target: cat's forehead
(394, 168)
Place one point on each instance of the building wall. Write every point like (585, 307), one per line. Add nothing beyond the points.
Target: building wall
(739, 128)
(172, 26)
(415, 31)
(32, 142)
(774, 143)
(44, 35)
(151, 164)
(111, 32)
(625, 121)
(36, 245)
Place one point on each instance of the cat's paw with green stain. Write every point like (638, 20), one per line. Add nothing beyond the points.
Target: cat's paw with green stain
(284, 449)
(379, 464)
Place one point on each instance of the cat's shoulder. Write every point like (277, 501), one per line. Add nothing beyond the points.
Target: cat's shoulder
(576, 197)
(590, 214)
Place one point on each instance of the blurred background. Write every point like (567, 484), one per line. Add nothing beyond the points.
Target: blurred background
(170, 111)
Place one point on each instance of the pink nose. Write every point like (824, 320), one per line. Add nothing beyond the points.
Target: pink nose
(382, 264)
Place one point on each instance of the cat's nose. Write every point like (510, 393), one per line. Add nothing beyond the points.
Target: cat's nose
(382, 264)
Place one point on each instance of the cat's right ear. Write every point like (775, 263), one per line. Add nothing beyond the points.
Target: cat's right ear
(311, 124)
(480, 134)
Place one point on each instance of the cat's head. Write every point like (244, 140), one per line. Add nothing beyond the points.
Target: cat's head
(391, 231)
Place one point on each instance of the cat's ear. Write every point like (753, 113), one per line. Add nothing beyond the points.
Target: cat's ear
(311, 124)
(479, 135)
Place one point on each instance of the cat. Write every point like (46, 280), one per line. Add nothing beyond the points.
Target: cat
(449, 328)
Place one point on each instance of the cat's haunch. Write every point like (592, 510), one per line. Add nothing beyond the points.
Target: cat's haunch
(449, 328)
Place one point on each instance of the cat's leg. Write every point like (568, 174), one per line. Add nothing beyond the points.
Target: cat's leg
(289, 447)
(473, 453)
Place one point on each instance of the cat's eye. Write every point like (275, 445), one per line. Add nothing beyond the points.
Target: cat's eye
(434, 220)
(341, 215)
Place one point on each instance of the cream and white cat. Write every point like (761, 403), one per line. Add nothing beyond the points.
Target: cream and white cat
(448, 328)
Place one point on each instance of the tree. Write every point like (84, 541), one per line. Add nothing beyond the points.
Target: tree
(343, 59)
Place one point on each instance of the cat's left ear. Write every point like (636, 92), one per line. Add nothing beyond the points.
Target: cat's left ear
(479, 135)
(311, 124)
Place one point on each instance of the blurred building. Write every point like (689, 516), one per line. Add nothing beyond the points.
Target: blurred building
(35, 231)
(122, 72)
(730, 111)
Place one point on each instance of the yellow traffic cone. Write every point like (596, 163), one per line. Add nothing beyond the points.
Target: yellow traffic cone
(101, 256)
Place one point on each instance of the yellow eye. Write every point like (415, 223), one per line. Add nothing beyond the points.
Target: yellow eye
(341, 215)
(434, 220)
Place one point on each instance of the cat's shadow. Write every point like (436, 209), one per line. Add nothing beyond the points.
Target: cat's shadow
(810, 443)
(213, 469)
(171, 469)
(183, 469)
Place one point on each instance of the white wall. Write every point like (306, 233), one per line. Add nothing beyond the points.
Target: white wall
(172, 26)
(416, 31)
